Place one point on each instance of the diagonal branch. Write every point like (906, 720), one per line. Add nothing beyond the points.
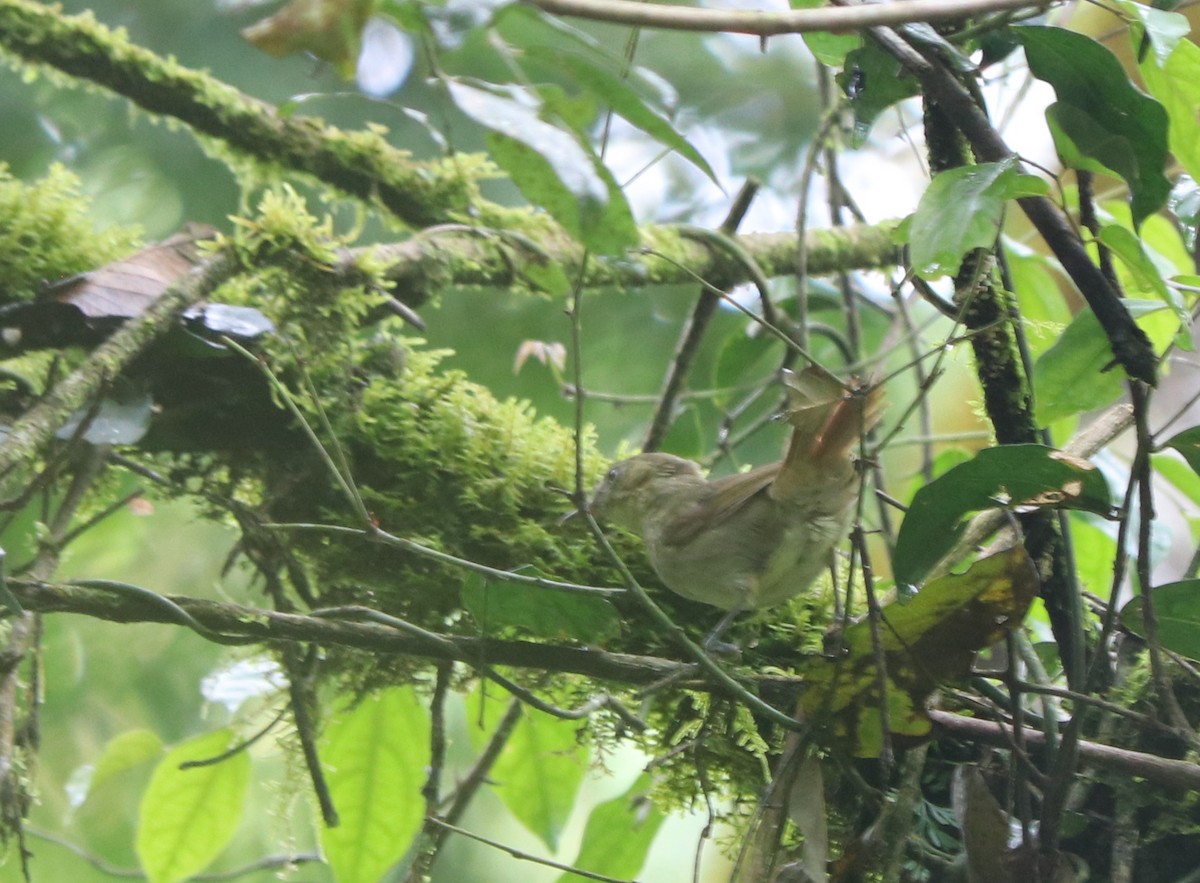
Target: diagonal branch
(1129, 343)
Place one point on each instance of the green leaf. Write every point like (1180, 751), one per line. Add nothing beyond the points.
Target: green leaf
(1094, 552)
(123, 752)
(541, 612)
(961, 210)
(1070, 377)
(873, 81)
(1146, 275)
(539, 770)
(1008, 475)
(1100, 117)
(1187, 443)
(1037, 283)
(616, 93)
(1177, 611)
(828, 48)
(831, 49)
(619, 833)
(1176, 83)
(375, 757)
(926, 642)
(551, 168)
(741, 358)
(1163, 29)
(188, 817)
(1183, 476)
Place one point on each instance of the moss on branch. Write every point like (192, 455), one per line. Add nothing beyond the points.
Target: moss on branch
(361, 164)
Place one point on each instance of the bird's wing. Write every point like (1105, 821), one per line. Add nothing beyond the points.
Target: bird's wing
(726, 496)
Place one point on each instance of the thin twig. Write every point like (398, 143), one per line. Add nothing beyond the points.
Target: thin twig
(522, 855)
(693, 331)
(767, 24)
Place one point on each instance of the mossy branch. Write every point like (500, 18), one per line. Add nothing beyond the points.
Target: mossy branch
(425, 265)
(361, 164)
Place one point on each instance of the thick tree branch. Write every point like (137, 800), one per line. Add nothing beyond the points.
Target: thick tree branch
(260, 624)
(462, 256)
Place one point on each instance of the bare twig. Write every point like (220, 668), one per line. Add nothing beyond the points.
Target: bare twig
(767, 24)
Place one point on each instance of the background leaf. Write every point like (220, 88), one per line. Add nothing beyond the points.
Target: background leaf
(551, 168)
(619, 833)
(375, 757)
(539, 770)
(188, 816)
(1100, 116)
(1177, 610)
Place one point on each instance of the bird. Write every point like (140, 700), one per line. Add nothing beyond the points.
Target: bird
(757, 538)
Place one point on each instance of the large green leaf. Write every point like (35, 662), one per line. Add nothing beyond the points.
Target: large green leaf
(962, 210)
(1144, 275)
(188, 816)
(1008, 475)
(539, 770)
(1176, 83)
(926, 642)
(1071, 376)
(375, 757)
(1100, 118)
(1187, 443)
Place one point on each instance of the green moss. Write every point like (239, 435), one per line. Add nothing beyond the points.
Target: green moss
(47, 234)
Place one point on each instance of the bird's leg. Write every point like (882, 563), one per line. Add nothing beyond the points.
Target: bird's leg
(712, 643)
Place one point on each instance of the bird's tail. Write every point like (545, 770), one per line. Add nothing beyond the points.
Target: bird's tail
(828, 419)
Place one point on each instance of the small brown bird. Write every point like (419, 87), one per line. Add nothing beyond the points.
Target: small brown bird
(756, 538)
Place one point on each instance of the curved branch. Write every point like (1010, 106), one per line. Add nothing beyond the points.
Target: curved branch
(766, 24)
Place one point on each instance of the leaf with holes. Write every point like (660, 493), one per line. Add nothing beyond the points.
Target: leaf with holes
(1010, 476)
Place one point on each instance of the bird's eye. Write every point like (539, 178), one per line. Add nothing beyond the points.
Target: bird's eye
(612, 474)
